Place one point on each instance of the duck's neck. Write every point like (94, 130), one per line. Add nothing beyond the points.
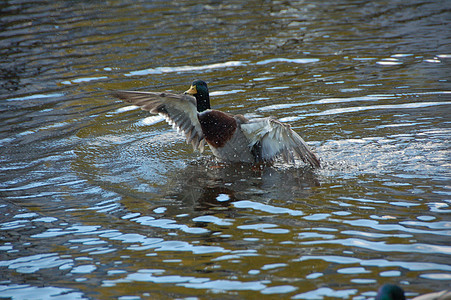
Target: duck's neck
(203, 101)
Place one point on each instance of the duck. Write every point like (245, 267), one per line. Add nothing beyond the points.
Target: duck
(231, 138)
(394, 292)
(390, 292)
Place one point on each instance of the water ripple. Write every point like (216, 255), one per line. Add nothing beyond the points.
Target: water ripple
(266, 208)
(26, 291)
(385, 247)
(326, 292)
(95, 196)
(160, 70)
(413, 266)
(156, 276)
(33, 263)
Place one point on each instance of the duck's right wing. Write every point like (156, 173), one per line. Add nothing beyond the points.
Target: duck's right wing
(180, 111)
(275, 138)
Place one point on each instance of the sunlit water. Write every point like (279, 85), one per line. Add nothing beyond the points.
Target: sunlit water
(101, 200)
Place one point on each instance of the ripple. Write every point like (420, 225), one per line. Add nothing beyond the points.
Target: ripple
(88, 241)
(237, 254)
(281, 289)
(385, 247)
(317, 217)
(168, 224)
(320, 293)
(13, 224)
(363, 281)
(380, 263)
(161, 70)
(273, 266)
(263, 227)
(141, 242)
(85, 79)
(84, 269)
(34, 263)
(355, 270)
(390, 274)
(436, 276)
(156, 276)
(25, 291)
(228, 64)
(377, 107)
(226, 285)
(36, 96)
(78, 229)
(390, 61)
(266, 208)
(214, 220)
(392, 227)
(229, 92)
(289, 60)
(314, 275)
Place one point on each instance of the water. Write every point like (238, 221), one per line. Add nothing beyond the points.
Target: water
(100, 200)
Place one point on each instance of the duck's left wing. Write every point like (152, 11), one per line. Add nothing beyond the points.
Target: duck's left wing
(275, 138)
(179, 110)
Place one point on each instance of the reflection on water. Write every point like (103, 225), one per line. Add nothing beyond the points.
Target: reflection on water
(100, 200)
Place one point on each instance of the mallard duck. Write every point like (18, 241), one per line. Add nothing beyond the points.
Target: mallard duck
(232, 138)
(390, 292)
(393, 292)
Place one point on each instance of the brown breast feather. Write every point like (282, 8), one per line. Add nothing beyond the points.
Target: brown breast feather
(217, 127)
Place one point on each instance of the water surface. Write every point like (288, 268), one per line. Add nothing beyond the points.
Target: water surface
(100, 200)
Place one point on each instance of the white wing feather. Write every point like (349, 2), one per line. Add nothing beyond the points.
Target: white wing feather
(180, 111)
(276, 139)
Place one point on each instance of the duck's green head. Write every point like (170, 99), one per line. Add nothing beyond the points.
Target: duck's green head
(390, 292)
(199, 90)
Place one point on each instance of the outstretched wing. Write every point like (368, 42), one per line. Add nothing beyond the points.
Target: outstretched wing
(179, 111)
(272, 138)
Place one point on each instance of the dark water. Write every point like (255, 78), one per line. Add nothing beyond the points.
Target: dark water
(100, 200)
